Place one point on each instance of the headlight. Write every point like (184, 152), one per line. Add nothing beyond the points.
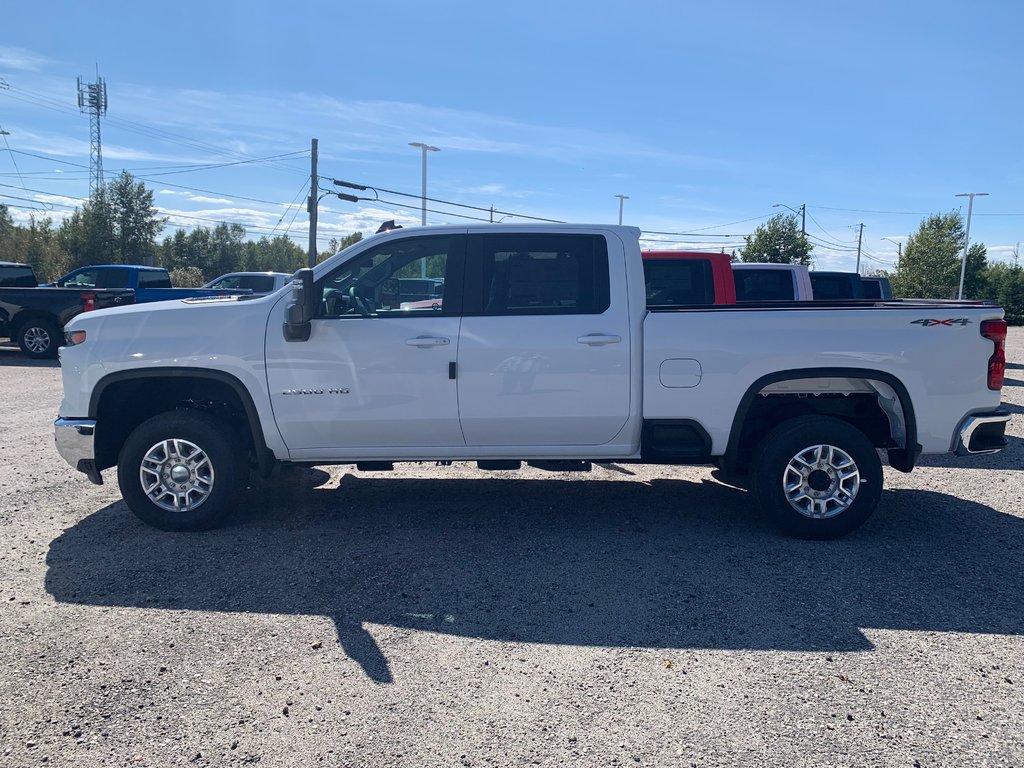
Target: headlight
(71, 338)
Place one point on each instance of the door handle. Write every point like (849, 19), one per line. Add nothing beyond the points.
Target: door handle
(428, 341)
(598, 339)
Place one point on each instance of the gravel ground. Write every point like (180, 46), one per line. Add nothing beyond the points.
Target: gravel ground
(446, 616)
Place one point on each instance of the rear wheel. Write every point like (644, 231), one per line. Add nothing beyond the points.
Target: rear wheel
(182, 471)
(819, 477)
(39, 339)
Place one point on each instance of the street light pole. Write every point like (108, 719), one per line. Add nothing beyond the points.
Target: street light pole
(897, 243)
(802, 212)
(622, 199)
(967, 236)
(423, 197)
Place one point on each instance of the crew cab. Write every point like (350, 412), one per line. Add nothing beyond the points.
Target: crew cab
(149, 283)
(34, 316)
(543, 350)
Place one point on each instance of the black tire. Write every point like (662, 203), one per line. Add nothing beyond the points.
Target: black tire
(774, 466)
(215, 482)
(39, 339)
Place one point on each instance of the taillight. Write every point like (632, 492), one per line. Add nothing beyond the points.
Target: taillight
(90, 302)
(995, 331)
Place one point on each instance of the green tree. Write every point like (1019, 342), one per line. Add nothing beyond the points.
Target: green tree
(777, 241)
(1005, 284)
(930, 265)
(133, 220)
(85, 234)
(336, 245)
(8, 235)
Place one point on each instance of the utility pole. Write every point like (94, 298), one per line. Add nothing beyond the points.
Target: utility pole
(967, 236)
(860, 236)
(313, 186)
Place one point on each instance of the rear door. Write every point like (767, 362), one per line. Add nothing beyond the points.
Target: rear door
(544, 351)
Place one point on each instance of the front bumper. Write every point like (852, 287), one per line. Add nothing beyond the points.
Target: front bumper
(982, 433)
(76, 445)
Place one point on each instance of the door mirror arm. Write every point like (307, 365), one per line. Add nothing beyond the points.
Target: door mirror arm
(297, 325)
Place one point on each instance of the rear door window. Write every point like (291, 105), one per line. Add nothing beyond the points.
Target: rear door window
(538, 275)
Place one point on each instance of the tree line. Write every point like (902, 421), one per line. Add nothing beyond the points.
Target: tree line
(120, 224)
(929, 267)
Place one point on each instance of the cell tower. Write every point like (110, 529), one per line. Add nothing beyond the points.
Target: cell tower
(92, 98)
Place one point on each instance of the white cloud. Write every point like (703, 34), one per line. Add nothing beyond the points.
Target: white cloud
(202, 199)
(21, 59)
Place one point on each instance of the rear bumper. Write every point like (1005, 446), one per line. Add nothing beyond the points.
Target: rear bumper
(76, 445)
(982, 433)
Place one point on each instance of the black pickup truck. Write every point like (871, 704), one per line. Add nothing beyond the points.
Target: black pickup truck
(34, 316)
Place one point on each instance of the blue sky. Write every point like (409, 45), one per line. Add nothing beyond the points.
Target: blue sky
(704, 115)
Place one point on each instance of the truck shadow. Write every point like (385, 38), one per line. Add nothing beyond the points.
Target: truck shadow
(13, 356)
(1011, 457)
(609, 563)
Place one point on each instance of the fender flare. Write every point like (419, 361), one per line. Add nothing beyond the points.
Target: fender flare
(901, 459)
(264, 456)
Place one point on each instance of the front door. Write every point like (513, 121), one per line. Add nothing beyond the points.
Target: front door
(376, 370)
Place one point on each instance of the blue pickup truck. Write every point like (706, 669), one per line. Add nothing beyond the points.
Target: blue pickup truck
(149, 283)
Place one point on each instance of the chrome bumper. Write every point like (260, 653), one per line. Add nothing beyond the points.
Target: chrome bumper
(982, 433)
(75, 444)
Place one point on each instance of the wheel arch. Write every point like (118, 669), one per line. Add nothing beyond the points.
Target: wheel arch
(902, 457)
(165, 389)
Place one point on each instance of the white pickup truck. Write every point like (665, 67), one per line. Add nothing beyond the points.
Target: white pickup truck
(539, 348)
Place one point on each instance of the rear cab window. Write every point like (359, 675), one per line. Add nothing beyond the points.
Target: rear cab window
(149, 279)
(17, 276)
(678, 282)
(764, 285)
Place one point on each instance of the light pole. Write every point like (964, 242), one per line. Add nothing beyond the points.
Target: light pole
(423, 197)
(897, 243)
(967, 235)
(802, 212)
(622, 199)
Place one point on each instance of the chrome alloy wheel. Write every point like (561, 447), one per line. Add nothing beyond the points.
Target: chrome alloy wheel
(176, 475)
(821, 481)
(37, 340)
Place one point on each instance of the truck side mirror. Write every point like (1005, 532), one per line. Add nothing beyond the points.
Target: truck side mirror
(300, 311)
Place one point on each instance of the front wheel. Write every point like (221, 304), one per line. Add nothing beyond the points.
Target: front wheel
(820, 477)
(182, 471)
(39, 339)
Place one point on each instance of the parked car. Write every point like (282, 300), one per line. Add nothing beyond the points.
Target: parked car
(34, 316)
(149, 283)
(544, 351)
(257, 282)
(688, 278)
(772, 282)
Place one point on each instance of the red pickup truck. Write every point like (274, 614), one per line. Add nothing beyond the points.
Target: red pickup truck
(675, 278)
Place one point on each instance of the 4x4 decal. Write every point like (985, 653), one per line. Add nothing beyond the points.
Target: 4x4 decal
(929, 323)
